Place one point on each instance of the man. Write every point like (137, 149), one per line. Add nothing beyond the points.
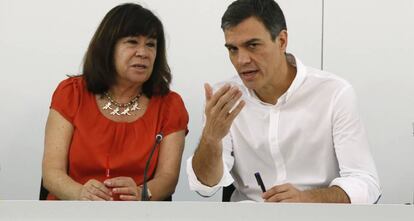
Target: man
(296, 125)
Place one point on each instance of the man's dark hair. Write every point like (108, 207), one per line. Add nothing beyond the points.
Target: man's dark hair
(123, 21)
(266, 11)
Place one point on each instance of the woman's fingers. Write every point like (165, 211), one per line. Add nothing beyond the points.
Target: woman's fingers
(95, 190)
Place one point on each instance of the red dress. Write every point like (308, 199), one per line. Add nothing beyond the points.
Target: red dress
(99, 143)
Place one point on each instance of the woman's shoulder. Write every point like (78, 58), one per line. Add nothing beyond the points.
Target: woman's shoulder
(70, 85)
(172, 97)
(68, 96)
(170, 101)
(174, 113)
(72, 81)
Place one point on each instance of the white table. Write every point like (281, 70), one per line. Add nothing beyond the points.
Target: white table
(73, 210)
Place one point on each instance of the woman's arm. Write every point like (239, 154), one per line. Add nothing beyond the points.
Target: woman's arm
(168, 168)
(58, 136)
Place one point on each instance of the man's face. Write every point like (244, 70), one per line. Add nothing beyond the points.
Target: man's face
(255, 56)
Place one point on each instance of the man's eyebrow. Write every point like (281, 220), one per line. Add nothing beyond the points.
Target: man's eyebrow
(253, 40)
(250, 41)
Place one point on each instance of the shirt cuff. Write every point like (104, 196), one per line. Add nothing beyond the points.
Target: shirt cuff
(356, 189)
(203, 190)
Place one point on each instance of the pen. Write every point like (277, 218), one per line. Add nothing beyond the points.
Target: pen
(260, 181)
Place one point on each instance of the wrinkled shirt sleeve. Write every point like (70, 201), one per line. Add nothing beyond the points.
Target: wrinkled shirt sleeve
(358, 175)
(226, 179)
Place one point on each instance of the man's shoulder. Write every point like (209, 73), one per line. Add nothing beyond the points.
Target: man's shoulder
(318, 76)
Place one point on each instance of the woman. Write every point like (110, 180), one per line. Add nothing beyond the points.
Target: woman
(102, 124)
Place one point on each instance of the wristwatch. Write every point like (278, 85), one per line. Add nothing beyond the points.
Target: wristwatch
(149, 195)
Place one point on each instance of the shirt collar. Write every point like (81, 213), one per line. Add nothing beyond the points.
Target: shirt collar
(297, 82)
(299, 78)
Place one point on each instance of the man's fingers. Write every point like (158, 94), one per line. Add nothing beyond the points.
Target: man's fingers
(236, 111)
(208, 91)
(283, 193)
(230, 104)
(279, 197)
(275, 190)
(285, 187)
(216, 96)
(226, 98)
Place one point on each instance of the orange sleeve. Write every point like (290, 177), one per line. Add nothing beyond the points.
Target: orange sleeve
(175, 115)
(66, 98)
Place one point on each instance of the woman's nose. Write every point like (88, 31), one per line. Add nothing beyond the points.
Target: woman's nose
(141, 52)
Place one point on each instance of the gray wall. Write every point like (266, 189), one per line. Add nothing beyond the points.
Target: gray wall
(42, 41)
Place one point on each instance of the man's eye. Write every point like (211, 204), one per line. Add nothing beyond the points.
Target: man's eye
(232, 49)
(253, 46)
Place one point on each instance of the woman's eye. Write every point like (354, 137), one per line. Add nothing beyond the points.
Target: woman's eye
(151, 44)
(132, 41)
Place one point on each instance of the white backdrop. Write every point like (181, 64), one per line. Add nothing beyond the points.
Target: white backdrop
(42, 41)
(371, 43)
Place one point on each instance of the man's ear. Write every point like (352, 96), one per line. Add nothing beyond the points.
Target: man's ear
(282, 40)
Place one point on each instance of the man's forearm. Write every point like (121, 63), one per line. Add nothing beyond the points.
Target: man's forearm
(332, 194)
(207, 161)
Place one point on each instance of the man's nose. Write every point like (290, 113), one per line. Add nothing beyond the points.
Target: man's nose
(243, 57)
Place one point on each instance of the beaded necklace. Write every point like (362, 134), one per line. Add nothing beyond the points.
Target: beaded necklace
(121, 109)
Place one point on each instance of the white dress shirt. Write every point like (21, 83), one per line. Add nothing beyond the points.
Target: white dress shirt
(312, 138)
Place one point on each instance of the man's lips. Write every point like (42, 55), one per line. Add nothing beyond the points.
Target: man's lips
(249, 74)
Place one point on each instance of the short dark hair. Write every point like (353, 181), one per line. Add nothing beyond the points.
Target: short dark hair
(123, 21)
(267, 11)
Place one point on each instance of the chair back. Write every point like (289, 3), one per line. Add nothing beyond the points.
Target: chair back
(227, 192)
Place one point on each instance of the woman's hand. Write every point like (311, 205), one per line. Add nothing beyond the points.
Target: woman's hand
(95, 190)
(125, 187)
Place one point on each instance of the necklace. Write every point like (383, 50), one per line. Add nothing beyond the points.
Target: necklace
(121, 109)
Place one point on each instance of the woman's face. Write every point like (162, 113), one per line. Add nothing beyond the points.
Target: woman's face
(134, 59)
